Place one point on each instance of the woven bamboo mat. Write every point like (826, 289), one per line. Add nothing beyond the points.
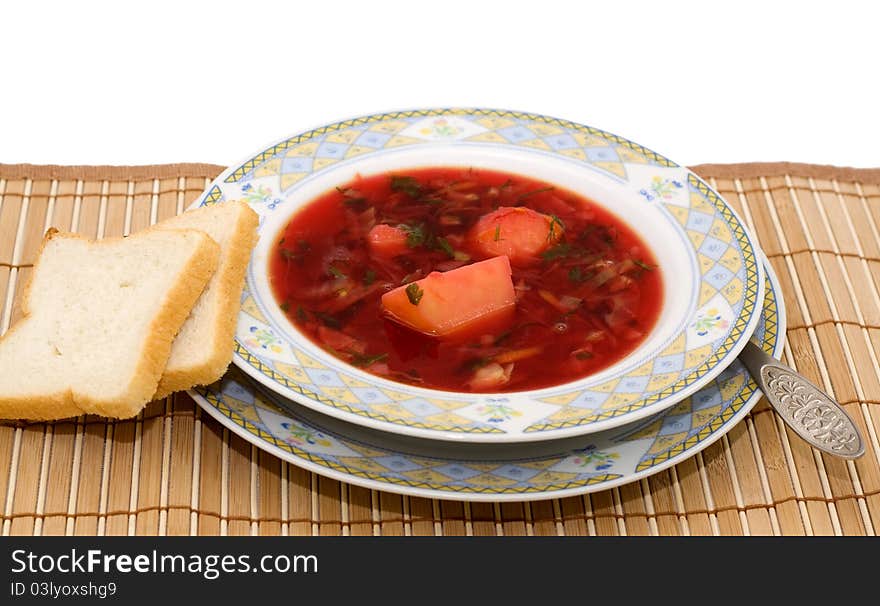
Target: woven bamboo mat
(174, 470)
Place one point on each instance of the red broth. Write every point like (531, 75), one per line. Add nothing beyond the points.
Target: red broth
(583, 303)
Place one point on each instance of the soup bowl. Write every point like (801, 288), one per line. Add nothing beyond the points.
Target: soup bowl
(712, 295)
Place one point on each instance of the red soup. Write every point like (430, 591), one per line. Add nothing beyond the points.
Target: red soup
(466, 279)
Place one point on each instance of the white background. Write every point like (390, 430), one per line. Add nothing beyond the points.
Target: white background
(109, 83)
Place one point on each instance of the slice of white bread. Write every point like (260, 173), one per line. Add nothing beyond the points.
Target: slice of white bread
(99, 320)
(203, 349)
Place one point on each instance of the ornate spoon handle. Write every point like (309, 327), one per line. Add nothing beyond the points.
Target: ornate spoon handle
(808, 410)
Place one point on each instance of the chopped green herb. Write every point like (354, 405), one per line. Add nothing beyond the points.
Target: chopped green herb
(561, 250)
(285, 307)
(414, 293)
(534, 192)
(498, 232)
(301, 314)
(503, 337)
(608, 236)
(369, 277)
(576, 275)
(336, 273)
(329, 320)
(445, 246)
(408, 185)
(415, 234)
(585, 233)
(281, 241)
(353, 199)
(506, 184)
(644, 265)
(298, 255)
(583, 355)
(554, 223)
(355, 203)
(365, 360)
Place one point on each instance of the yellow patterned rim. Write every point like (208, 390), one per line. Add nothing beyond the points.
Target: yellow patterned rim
(725, 309)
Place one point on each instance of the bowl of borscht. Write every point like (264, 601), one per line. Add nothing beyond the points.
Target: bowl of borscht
(486, 275)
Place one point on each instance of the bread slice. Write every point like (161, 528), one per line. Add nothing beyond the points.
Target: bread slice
(203, 349)
(99, 320)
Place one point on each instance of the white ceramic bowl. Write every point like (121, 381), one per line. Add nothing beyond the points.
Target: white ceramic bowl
(713, 285)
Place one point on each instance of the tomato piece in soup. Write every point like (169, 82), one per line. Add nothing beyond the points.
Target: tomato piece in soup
(518, 232)
(474, 299)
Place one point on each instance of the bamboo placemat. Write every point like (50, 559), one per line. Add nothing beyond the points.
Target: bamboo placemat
(174, 470)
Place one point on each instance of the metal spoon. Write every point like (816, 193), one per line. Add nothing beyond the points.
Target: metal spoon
(809, 411)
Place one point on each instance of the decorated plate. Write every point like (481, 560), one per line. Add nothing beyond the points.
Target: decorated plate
(493, 472)
(712, 294)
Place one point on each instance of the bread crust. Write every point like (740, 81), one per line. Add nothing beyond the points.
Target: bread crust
(230, 283)
(175, 308)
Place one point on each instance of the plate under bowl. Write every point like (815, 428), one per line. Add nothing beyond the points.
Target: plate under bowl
(494, 472)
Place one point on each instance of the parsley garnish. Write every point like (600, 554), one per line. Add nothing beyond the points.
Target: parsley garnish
(328, 320)
(576, 275)
(415, 234)
(414, 293)
(298, 255)
(419, 235)
(407, 185)
(563, 249)
(529, 194)
(301, 314)
(352, 199)
(498, 232)
(554, 221)
(369, 277)
(644, 265)
(445, 246)
(285, 307)
(365, 360)
(583, 355)
(607, 235)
